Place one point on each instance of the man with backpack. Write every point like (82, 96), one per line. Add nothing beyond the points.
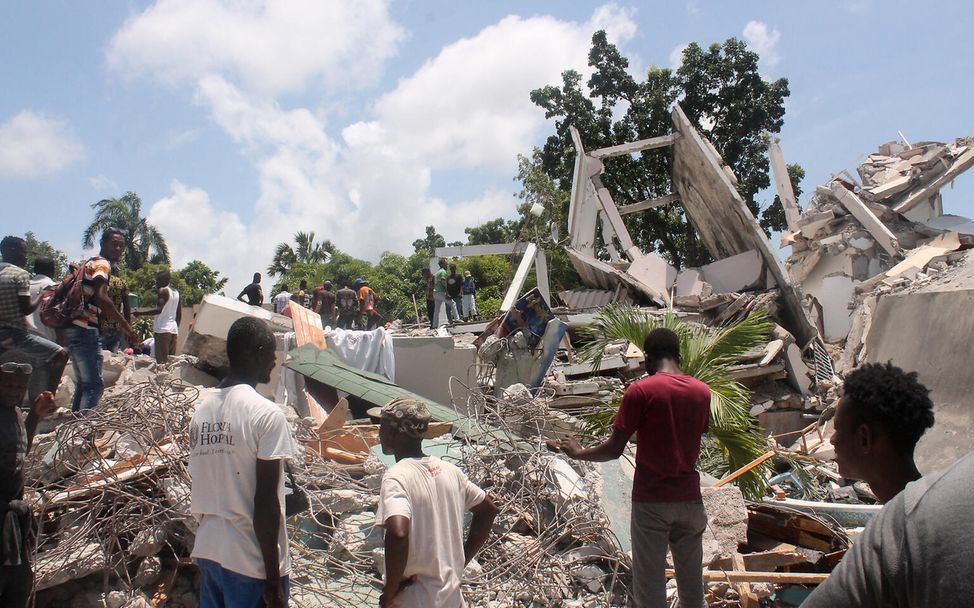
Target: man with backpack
(81, 332)
(47, 358)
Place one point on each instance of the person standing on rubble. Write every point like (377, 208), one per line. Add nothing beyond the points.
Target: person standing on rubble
(454, 285)
(253, 292)
(239, 442)
(43, 278)
(469, 296)
(367, 299)
(439, 294)
(47, 357)
(879, 420)
(18, 528)
(168, 315)
(421, 507)
(430, 300)
(347, 302)
(669, 412)
(324, 304)
(82, 335)
(282, 299)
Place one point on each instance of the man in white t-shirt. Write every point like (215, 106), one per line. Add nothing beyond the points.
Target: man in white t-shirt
(238, 444)
(282, 300)
(44, 269)
(421, 506)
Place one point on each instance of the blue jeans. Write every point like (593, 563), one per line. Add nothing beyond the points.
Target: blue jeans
(39, 350)
(222, 588)
(111, 340)
(85, 348)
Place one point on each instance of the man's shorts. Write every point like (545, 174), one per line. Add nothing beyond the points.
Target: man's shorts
(40, 350)
(222, 588)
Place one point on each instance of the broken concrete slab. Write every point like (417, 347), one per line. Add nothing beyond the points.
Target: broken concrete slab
(867, 218)
(736, 273)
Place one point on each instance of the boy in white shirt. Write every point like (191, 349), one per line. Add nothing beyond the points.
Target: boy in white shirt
(421, 507)
(238, 443)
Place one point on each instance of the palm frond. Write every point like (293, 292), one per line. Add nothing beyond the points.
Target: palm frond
(707, 354)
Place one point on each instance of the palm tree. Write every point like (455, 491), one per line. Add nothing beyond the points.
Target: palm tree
(143, 241)
(707, 354)
(306, 250)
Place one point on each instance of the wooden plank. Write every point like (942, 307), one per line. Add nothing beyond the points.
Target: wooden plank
(652, 203)
(748, 598)
(781, 578)
(635, 146)
(307, 326)
(867, 218)
(754, 463)
(782, 183)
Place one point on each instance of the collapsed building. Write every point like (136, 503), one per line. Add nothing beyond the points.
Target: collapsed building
(870, 257)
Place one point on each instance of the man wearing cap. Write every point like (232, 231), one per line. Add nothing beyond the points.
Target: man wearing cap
(421, 506)
(469, 295)
(16, 519)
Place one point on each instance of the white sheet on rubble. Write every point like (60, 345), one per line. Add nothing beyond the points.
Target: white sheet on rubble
(369, 351)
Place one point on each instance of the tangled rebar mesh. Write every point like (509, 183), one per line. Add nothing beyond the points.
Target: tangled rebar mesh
(112, 489)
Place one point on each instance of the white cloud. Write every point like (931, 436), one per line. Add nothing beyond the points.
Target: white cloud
(178, 139)
(763, 41)
(105, 184)
(676, 56)
(369, 191)
(34, 145)
(270, 46)
(469, 107)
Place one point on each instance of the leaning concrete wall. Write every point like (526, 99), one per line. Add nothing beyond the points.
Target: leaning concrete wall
(424, 365)
(931, 333)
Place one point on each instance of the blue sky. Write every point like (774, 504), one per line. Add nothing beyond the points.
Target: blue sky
(239, 123)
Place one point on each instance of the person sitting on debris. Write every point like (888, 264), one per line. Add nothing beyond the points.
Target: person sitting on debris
(421, 507)
(917, 553)
(47, 357)
(324, 304)
(83, 337)
(255, 295)
(16, 435)
(238, 444)
(282, 299)
(439, 295)
(43, 278)
(454, 285)
(168, 315)
(347, 301)
(469, 296)
(879, 420)
(669, 412)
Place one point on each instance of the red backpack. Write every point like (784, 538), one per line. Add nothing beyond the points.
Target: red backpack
(63, 303)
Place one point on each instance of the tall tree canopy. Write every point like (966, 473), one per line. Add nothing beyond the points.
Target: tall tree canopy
(144, 242)
(721, 92)
(305, 251)
(43, 249)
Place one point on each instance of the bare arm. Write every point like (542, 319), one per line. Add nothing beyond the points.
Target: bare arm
(397, 552)
(610, 449)
(267, 527)
(483, 518)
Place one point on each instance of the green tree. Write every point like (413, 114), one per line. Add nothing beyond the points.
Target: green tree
(430, 242)
(306, 250)
(493, 232)
(142, 282)
(199, 280)
(144, 242)
(41, 249)
(707, 354)
(721, 92)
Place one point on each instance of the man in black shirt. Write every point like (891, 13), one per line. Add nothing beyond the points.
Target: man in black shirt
(454, 283)
(255, 295)
(16, 435)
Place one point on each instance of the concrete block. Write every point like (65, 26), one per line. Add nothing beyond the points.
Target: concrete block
(689, 282)
(424, 365)
(736, 273)
(836, 293)
(652, 270)
(726, 521)
(207, 340)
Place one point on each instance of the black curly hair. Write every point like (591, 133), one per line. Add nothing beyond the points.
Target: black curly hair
(662, 343)
(885, 395)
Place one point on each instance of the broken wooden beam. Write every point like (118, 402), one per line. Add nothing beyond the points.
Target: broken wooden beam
(780, 578)
(651, 203)
(635, 146)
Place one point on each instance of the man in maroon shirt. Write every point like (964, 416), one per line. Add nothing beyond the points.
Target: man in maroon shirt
(668, 411)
